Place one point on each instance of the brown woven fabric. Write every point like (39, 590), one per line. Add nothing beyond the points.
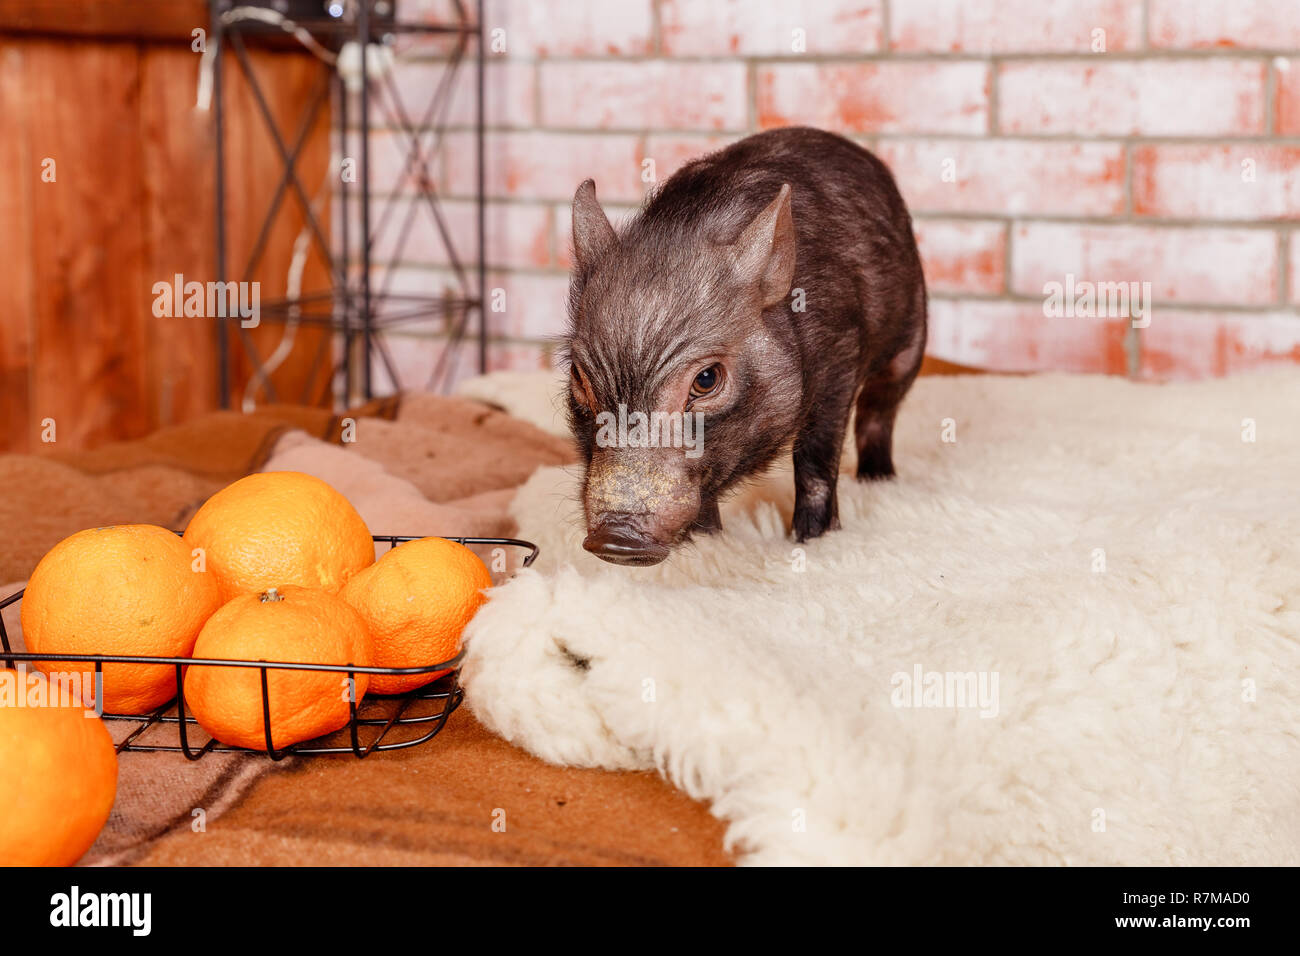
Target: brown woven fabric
(452, 448)
(437, 804)
(221, 446)
(44, 501)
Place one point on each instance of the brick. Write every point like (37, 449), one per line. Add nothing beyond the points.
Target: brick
(416, 356)
(534, 305)
(1014, 26)
(518, 235)
(962, 256)
(388, 151)
(519, 356)
(1017, 337)
(571, 28)
(501, 356)
(392, 290)
(1287, 119)
(394, 295)
(745, 28)
(428, 11)
(893, 97)
(656, 94)
(1242, 24)
(509, 95)
(1293, 270)
(1190, 345)
(671, 153)
(1210, 182)
(1014, 177)
(1183, 265)
(546, 165)
(1192, 97)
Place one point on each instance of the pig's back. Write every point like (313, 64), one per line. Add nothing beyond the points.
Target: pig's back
(855, 246)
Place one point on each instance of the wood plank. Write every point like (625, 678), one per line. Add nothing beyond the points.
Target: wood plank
(132, 204)
(92, 302)
(153, 20)
(17, 297)
(177, 183)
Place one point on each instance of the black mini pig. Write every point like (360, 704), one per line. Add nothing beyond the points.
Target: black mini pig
(758, 291)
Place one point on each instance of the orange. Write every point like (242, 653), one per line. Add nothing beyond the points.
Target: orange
(130, 589)
(300, 625)
(416, 601)
(278, 528)
(58, 772)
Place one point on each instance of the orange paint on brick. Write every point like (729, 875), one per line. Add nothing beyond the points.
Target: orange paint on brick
(1224, 24)
(1191, 345)
(1014, 26)
(1112, 171)
(900, 96)
(858, 109)
(1144, 181)
(1017, 337)
(1256, 181)
(1288, 97)
(960, 256)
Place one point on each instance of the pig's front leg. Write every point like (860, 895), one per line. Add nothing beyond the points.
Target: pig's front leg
(816, 469)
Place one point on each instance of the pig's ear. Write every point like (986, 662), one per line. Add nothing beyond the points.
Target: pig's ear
(593, 236)
(764, 253)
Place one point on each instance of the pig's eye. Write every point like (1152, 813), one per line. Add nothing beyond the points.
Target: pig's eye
(707, 381)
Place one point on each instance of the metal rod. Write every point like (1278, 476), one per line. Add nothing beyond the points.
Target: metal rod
(345, 251)
(480, 120)
(219, 203)
(363, 28)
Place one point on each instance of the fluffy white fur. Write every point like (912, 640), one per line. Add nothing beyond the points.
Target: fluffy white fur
(1156, 697)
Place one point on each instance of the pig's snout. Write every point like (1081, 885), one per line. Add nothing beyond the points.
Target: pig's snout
(618, 538)
(638, 503)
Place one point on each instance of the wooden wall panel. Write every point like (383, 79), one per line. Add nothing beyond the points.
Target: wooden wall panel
(133, 205)
(17, 297)
(104, 19)
(178, 180)
(87, 241)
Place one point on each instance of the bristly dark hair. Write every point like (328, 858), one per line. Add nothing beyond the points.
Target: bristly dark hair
(689, 277)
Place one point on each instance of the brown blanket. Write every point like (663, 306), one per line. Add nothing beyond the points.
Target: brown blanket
(437, 805)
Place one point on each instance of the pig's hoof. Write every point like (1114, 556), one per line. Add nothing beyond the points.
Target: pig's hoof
(875, 465)
(809, 526)
(709, 527)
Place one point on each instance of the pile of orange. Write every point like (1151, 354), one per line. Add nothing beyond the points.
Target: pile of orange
(276, 567)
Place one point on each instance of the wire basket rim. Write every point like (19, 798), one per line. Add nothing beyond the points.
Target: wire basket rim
(10, 656)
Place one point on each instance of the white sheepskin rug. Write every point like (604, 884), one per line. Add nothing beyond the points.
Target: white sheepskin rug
(1067, 633)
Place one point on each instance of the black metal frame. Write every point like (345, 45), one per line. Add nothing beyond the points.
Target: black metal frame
(446, 689)
(349, 305)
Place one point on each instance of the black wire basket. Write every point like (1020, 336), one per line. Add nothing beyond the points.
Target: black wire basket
(377, 723)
